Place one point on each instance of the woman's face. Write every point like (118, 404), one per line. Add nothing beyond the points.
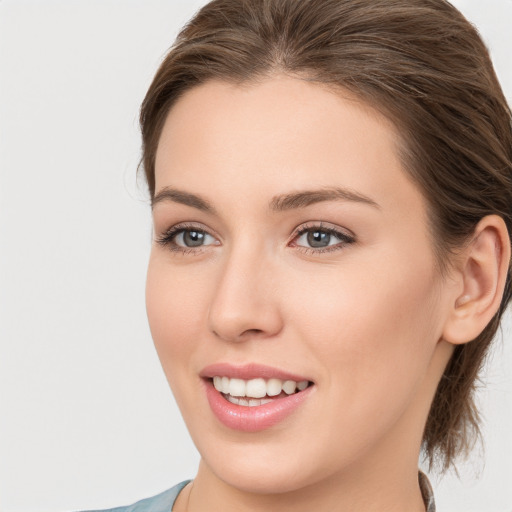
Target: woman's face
(290, 245)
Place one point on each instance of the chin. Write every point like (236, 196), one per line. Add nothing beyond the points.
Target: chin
(266, 464)
(263, 478)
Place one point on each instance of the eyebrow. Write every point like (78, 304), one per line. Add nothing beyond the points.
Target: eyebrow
(181, 197)
(308, 197)
(281, 203)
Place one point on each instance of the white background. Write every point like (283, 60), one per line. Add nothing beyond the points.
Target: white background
(86, 418)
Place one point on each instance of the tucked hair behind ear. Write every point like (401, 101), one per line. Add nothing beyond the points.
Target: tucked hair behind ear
(420, 63)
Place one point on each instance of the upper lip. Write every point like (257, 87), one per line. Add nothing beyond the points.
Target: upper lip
(248, 372)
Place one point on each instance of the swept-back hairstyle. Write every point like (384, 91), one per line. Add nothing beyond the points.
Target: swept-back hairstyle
(421, 64)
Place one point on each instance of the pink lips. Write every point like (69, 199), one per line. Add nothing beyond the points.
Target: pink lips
(251, 419)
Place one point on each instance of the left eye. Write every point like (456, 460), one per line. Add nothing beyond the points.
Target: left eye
(320, 238)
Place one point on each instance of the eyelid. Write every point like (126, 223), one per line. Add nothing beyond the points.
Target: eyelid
(167, 238)
(345, 236)
(321, 225)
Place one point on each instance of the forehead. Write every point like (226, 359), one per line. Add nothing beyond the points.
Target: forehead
(280, 133)
(278, 106)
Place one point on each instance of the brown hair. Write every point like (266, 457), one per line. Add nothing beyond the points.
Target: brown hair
(423, 65)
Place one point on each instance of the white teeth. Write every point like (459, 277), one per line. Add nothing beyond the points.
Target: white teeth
(257, 388)
(289, 387)
(302, 385)
(237, 387)
(253, 402)
(274, 387)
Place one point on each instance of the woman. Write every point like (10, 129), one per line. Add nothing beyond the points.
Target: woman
(331, 186)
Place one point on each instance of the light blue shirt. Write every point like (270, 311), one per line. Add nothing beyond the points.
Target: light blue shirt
(162, 502)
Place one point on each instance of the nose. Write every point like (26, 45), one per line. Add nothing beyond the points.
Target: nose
(245, 300)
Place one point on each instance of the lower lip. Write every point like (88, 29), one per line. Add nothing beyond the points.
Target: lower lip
(253, 419)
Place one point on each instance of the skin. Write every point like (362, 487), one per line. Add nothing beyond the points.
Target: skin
(364, 321)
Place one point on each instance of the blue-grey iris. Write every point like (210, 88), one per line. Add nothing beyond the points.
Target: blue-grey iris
(318, 238)
(193, 238)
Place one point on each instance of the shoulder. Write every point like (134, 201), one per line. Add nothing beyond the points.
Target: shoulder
(162, 502)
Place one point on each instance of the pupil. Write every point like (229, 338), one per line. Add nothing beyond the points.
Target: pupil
(193, 238)
(318, 238)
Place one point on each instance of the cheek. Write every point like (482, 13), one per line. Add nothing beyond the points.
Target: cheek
(372, 329)
(176, 312)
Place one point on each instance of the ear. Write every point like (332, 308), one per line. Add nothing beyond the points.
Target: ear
(482, 273)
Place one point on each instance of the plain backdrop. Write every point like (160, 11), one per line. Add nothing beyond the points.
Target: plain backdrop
(86, 417)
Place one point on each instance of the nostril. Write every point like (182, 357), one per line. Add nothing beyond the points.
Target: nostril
(251, 332)
(245, 335)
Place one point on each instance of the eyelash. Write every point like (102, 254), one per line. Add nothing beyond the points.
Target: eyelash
(345, 238)
(167, 240)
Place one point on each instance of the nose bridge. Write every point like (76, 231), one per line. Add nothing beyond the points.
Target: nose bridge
(242, 304)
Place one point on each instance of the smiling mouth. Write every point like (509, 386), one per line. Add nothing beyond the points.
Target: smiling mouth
(256, 392)
(254, 397)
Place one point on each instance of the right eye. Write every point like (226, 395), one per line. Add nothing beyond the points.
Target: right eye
(186, 239)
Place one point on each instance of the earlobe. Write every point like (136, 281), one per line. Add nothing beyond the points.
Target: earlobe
(483, 272)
